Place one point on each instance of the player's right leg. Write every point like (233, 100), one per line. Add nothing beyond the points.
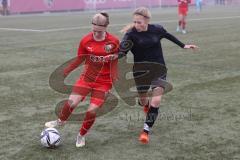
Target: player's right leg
(89, 120)
(66, 111)
(80, 142)
(142, 84)
(98, 97)
(152, 114)
(184, 24)
(79, 92)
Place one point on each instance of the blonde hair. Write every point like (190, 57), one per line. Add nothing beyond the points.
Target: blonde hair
(101, 19)
(142, 11)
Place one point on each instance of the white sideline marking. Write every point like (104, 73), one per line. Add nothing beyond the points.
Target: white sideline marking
(113, 25)
(23, 30)
(76, 28)
(201, 19)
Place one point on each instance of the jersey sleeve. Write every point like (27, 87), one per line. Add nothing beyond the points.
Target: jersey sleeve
(169, 36)
(116, 46)
(160, 29)
(114, 63)
(81, 49)
(125, 45)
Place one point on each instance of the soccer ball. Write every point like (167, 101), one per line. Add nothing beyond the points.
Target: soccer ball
(50, 138)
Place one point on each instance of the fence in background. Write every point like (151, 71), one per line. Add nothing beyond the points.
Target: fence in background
(34, 6)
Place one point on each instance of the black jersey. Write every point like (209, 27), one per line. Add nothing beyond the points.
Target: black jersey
(146, 44)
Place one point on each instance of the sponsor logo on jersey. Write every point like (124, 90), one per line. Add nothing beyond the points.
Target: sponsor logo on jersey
(95, 58)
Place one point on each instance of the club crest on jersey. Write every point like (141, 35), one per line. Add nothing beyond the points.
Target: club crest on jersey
(109, 47)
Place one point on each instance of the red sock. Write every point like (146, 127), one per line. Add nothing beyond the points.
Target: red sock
(180, 23)
(88, 122)
(65, 112)
(183, 25)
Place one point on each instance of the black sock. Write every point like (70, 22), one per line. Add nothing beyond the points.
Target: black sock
(150, 118)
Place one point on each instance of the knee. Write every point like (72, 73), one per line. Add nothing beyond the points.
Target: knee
(74, 100)
(143, 101)
(72, 103)
(92, 113)
(156, 101)
(92, 110)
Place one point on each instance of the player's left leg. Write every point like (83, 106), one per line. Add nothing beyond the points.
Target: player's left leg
(98, 97)
(184, 25)
(152, 114)
(180, 21)
(87, 124)
(184, 22)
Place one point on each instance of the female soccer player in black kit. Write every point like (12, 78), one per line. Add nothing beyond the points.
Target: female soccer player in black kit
(146, 47)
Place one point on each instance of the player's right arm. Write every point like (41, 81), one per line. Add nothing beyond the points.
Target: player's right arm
(125, 45)
(78, 60)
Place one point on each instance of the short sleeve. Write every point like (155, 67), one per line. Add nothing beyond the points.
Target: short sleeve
(81, 49)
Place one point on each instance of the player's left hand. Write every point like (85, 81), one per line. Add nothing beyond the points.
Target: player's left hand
(190, 46)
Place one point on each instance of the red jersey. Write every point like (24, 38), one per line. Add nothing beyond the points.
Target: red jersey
(183, 3)
(97, 68)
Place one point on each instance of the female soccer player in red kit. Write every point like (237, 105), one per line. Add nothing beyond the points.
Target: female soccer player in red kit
(100, 71)
(182, 14)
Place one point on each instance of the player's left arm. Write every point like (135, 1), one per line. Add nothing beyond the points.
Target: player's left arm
(177, 41)
(113, 49)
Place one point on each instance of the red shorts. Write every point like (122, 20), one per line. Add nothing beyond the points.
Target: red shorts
(182, 11)
(99, 91)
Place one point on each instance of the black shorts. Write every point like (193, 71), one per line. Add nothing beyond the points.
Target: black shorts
(157, 82)
(144, 80)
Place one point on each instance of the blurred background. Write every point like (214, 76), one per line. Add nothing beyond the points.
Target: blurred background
(39, 6)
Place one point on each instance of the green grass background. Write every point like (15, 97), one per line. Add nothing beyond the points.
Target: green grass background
(199, 119)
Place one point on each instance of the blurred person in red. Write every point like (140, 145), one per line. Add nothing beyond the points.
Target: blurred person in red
(100, 71)
(182, 14)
